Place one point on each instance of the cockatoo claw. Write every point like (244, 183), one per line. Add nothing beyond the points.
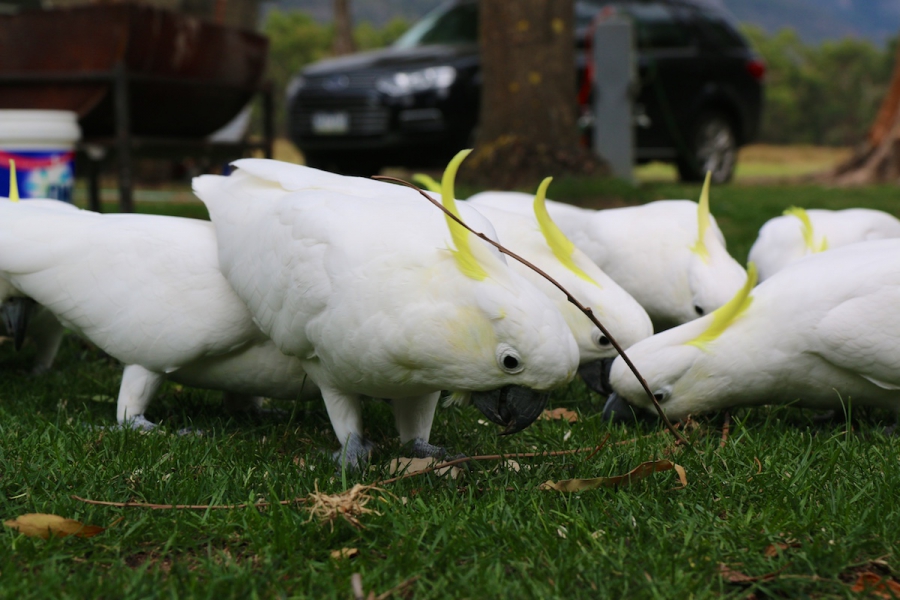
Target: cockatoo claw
(514, 407)
(355, 453)
(422, 449)
(596, 375)
(138, 423)
(16, 312)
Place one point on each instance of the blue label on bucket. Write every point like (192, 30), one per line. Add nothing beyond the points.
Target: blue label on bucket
(39, 173)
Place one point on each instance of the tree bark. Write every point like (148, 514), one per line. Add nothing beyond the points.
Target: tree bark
(343, 29)
(527, 128)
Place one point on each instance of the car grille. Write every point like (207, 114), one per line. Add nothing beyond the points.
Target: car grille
(365, 119)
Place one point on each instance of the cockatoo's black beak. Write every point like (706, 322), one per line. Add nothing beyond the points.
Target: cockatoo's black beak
(513, 406)
(618, 410)
(16, 312)
(596, 375)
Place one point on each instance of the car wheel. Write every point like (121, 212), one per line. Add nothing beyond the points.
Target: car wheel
(712, 146)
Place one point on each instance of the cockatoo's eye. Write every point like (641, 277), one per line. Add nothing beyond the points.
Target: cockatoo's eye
(662, 395)
(508, 359)
(600, 339)
(699, 310)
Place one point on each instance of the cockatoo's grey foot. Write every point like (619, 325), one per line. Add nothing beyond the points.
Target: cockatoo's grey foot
(38, 370)
(596, 375)
(190, 431)
(136, 423)
(513, 406)
(355, 453)
(422, 449)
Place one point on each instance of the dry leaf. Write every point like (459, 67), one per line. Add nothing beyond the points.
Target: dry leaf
(345, 553)
(560, 414)
(773, 550)
(44, 525)
(733, 576)
(415, 465)
(877, 585)
(640, 472)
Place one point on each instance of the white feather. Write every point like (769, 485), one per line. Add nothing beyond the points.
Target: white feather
(360, 283)
(647, 250)
(821, 331)
(781, 242)
(148, 291)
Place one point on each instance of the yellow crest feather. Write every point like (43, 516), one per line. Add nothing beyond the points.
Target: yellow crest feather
(703, 221)
(13, 182)
(809, 238)
(427, 182)
(725, 315)
(562, 247)
(465, 258)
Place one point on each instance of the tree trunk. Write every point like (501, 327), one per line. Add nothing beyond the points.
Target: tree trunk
(343, 29)
(527, 127)
(878, 160)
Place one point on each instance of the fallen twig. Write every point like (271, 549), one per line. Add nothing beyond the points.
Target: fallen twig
(465, 459)
(585, 309)
(397, 588)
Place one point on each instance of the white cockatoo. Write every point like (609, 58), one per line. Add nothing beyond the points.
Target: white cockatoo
(379, 294)
(669, 255)
(20, 314)
(537, 239)
(823, 331)
(798, 233)
(148, 291)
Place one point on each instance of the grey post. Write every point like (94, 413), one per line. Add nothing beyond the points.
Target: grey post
(614, 72)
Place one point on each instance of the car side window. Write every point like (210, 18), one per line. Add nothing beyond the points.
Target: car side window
(457, 26)
(656, 26)
(716, 30)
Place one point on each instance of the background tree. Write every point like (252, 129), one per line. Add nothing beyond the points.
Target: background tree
(343, 29)
(527, 128)
(878, 161)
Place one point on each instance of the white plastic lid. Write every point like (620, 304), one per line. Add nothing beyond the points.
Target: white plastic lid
(24, 129)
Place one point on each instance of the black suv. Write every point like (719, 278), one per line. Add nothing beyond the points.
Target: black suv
(416, 103)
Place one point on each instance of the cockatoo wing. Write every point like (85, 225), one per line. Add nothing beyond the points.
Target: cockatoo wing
(136, 285)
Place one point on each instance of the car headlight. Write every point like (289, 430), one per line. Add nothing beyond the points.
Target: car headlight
(295, 85)
(410, 82)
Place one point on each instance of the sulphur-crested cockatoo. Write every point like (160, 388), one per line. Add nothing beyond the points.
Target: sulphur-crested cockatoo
(20, 314)
(537, 239)
(798, 233)
(148, 291)
(822, 331)
(669, 255)
(381, 295)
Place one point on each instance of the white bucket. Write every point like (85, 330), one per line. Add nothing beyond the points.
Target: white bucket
(42, 143)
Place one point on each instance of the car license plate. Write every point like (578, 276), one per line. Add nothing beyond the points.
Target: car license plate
(330, 123)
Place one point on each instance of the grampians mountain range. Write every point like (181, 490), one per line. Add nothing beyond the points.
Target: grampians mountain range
(815, 20)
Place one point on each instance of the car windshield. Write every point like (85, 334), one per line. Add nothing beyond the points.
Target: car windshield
(448, 24)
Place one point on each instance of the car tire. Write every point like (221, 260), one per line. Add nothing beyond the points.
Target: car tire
(712, 146)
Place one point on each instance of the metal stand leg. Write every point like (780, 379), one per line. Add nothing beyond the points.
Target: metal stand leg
(123, 139)
(94, 185)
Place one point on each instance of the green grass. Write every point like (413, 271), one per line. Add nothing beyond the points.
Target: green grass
(781, 477)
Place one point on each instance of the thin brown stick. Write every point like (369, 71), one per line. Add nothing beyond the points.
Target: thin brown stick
(585, 309)
(725, 428)
(262, 504)
(465, 459)
(397, 588)
(265, 503)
